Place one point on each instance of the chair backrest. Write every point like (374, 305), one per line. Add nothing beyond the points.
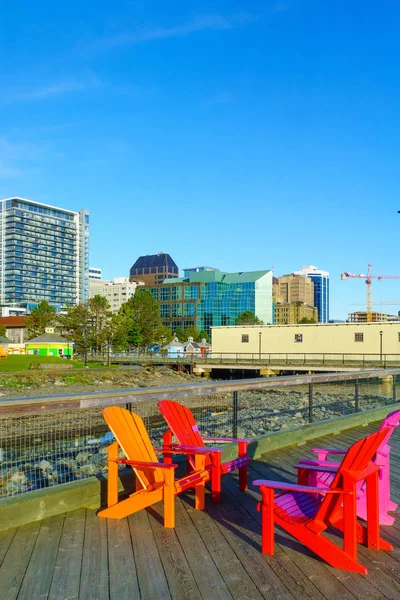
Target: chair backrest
(390, 422)
(131, 435)
(182, 423)
(356, 459)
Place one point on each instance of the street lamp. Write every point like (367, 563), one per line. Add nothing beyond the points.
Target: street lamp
(162, 346)
(381, 340)
(259, 344)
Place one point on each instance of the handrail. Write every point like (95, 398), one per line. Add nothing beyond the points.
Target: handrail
(40, 404)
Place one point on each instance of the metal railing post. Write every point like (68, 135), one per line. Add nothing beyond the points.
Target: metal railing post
(310, 402)
(128, 406)
(394, 394)
(235, 413)
(356, 397)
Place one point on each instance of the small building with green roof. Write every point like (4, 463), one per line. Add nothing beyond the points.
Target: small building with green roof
(50, 344)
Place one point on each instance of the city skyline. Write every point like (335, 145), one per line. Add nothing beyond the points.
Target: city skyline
(248, 136)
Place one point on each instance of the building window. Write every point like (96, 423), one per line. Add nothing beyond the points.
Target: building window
(245, 338)
(358, 337)
(298, 337)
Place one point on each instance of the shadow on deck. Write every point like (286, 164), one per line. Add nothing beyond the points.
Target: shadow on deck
(210, 555)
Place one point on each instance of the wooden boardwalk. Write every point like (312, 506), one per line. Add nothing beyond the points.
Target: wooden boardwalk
(210, 555)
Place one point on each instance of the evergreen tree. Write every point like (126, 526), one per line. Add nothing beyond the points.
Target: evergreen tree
(41, 317)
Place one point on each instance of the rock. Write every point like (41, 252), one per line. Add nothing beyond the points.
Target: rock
(83, 457)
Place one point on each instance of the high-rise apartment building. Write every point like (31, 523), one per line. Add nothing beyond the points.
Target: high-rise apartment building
(321, 290)
(44, 253)
(211, 298)
(153, 269)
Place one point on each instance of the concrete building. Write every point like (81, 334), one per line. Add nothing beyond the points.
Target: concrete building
(95, 273)
(294, 312)
(210, 298)
(321, 290)
(44, 253)
(294, 288)
(117, 291)
(377, 317)
(331, 338)
(153, 269)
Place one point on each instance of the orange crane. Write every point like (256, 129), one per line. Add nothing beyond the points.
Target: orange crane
(368, 281)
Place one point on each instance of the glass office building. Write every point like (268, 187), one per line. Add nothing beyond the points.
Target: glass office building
(321, 290)
(44, 253)
(212, 298)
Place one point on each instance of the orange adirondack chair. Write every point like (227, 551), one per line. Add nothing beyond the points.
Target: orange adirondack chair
(183, 426)
(304, 513)
(154, 480)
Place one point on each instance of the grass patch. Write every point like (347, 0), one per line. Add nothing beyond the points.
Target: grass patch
(29, 362)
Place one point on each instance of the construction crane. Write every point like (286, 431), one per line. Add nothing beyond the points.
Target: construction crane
(368, 281)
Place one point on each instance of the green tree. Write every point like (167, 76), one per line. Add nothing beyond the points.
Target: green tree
(3, 331)
(248, 318)
(76, 326)
(306, 320)
(129, 335)
(41, 317)
(203, 335)
(146, 315)
(100, 321)
(180, 334)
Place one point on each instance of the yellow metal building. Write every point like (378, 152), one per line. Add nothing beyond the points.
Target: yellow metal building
(350, 338)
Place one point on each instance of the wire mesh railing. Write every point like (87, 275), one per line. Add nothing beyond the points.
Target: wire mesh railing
(56, 440)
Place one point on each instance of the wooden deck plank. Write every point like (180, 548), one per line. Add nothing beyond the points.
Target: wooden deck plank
(234, 573)
(181, 581)
(205, 572)
(6, 538)
(94, 574)
(39, 573)
(123, 576)
(13, 567)
(151, 576)
(67, 570)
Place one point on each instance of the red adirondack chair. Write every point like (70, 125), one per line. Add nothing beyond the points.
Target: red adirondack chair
(303, 512)
(154, 480)
(183, 426)
(382, 459)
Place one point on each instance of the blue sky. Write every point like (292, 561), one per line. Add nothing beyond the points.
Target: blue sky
(240, 135)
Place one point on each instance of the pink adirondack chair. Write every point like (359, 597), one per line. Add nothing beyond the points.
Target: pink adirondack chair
(381, 459)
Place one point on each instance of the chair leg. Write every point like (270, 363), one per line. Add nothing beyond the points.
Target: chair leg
(112, 479)
(243, 483)
(169, 499)
(267, 521)
(216, 478)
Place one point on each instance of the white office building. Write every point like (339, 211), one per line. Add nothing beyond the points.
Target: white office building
(117, 291)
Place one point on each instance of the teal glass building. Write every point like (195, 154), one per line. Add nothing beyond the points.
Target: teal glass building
(214, 298)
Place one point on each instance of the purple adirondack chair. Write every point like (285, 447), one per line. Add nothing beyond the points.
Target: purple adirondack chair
(382, 458)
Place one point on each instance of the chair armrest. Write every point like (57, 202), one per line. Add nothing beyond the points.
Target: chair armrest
(137, 463)
(293, 487)
(225, 440)
(324, 469)
(318, 463)
(328, 451)
(177, 449)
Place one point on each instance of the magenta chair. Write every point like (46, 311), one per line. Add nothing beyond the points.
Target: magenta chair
(381, 458)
